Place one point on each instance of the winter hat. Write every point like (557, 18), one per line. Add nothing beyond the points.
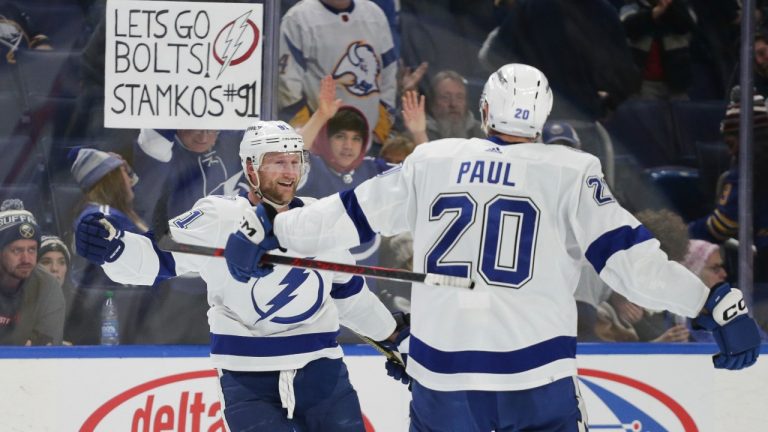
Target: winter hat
(50, 243)
(557, 132)
(730, 122)
(698, 252)
(90, 165)
(17, 223)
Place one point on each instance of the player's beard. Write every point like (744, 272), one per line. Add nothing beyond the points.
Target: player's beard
(278, 194)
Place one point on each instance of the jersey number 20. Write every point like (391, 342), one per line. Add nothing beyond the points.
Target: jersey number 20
(509, 231)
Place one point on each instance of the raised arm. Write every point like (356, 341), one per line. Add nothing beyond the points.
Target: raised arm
(327, 106)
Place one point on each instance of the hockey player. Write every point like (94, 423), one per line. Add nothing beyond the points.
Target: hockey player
(519, 218)
(273, 334)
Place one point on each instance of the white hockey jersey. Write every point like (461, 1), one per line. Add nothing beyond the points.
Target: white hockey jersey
(278, 322)
(355, 47)
(519, 220)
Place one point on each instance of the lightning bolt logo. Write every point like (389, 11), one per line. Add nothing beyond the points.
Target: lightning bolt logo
(232, 44)
(292, 282)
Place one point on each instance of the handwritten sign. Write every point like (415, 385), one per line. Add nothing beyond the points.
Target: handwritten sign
(174, 65)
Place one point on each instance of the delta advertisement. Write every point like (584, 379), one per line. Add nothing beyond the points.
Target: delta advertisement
(171, 64)
(622, 392)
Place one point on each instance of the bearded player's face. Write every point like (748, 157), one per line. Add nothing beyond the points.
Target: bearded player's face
(279, 175)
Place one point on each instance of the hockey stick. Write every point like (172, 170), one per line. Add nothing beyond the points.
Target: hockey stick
(168, 244)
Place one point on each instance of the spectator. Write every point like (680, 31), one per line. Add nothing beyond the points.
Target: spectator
(760, 67)
(31, 302)
(722, 223)
(396, 149)
(451, 117)
(659, 34)
(190, 163)
(704, 259)
(17, 30)
(349, 40)
(560, 132)
(107, 183)
(54, 257)
(337, 137)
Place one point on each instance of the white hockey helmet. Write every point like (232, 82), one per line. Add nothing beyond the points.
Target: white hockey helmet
(265, 137)
(518, 101)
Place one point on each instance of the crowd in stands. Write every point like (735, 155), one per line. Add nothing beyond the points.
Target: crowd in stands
(645, 85)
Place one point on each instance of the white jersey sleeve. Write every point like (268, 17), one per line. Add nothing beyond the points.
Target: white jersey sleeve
(142, 264)
(347, 219)
(625, 254)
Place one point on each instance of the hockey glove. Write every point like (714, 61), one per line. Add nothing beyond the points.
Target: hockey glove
(734, 331)
(399, 345)
(245, 247)
(97, 240)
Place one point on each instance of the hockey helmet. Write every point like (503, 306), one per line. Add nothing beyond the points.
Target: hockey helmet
(265, 137)
(516, 100)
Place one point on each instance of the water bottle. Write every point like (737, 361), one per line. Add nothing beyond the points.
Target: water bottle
(109, 325)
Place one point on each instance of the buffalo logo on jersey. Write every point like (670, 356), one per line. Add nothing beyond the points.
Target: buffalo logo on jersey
(358, 70)
(297, 296)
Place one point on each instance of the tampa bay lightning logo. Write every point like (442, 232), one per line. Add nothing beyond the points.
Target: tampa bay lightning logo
(293, 280)
(358, 71)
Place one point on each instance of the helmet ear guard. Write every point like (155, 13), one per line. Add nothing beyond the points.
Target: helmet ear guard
(516, 100)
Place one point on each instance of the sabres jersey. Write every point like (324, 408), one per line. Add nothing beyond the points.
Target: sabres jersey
(520, 220)
(723, 224)
(278, 322)
(354, 46)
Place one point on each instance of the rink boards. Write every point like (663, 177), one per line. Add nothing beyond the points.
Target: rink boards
(627, 387)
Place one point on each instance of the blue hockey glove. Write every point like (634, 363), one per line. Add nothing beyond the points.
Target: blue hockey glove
(245, 247)
(734, 331)
(97, 240)
(399, 345)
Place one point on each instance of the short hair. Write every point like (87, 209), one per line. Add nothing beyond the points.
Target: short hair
(347, 119)
(398, 142)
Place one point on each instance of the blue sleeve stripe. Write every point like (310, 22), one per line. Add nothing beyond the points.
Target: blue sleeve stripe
(167, 263)
(271, 346)
(621, 238)
(349, 200)
(297, 54)
(389, 57)
(493, 362)
(348, 289)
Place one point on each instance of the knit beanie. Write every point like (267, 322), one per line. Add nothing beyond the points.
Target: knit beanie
(698, 252)
(17, 223)
(730, 122)
(91, 165)
(50, 243)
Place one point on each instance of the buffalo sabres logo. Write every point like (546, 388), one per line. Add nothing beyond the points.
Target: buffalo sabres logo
(26, 230)
(358, 71)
